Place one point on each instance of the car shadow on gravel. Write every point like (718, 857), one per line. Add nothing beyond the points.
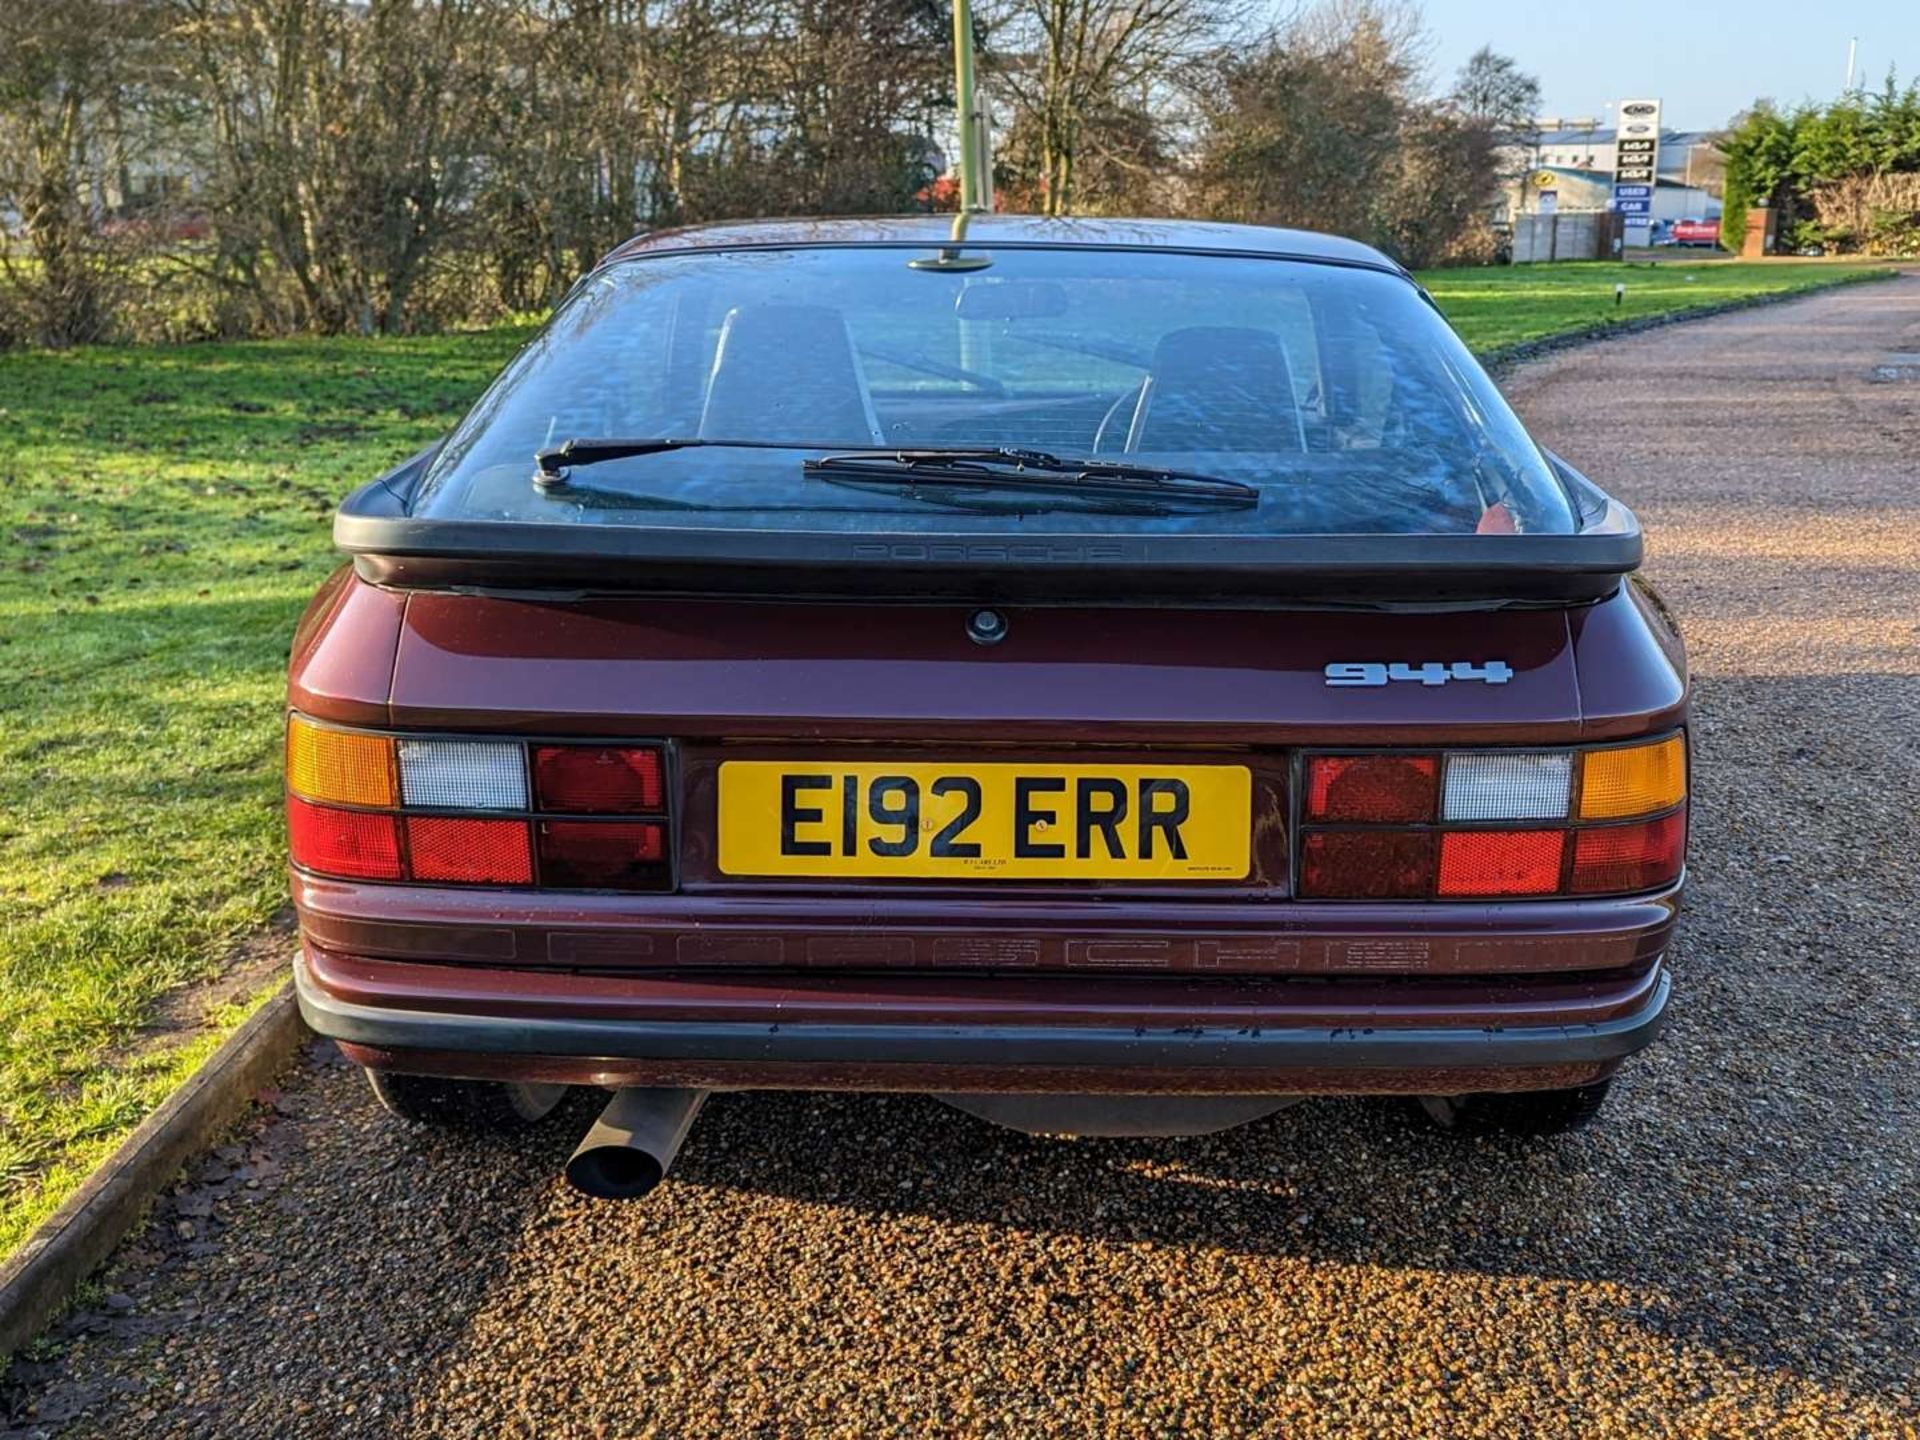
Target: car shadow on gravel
(1699, 1252)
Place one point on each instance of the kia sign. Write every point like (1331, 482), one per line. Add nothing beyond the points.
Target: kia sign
(1636, 161)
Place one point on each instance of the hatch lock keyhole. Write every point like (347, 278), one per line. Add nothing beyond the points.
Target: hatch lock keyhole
(986, 627)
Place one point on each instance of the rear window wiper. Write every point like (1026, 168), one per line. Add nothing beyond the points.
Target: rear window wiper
(947, 468)
(552, 464)
(1002, 468)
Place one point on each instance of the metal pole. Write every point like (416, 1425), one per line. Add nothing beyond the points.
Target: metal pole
(970, 157)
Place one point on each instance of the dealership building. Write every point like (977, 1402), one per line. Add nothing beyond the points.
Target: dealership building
(1567, 166)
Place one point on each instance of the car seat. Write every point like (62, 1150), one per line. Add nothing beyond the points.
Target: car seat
(787, 373)
(1218, 387)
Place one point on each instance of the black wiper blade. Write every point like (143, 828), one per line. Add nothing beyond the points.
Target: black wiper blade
(1006, 467)
(552, 464)
(949, 467)
(556, 460)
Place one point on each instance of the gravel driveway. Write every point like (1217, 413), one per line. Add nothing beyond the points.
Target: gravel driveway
(1732, 1251)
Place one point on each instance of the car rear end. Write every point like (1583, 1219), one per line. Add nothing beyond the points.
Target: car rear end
(992, 816)
(610, 841)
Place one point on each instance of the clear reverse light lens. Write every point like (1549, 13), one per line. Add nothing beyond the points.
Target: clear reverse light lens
(462, 775)
(1507, 787)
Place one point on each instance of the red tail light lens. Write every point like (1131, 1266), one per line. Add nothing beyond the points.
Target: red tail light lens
(1373, 789)
(1501, 862)
(597, 779)
(350, 843)
(1619, 858)
(467, 810)
(1367, 865)
(472, 852)
(602, 855)
(1493, 824)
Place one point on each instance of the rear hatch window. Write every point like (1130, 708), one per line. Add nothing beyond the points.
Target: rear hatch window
(1335, 394)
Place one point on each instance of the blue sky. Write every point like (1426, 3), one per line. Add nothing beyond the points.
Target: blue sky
(1706, 59)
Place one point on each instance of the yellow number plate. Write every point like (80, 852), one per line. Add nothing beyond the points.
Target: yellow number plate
(993, 822)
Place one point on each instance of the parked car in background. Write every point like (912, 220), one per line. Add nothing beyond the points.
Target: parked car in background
(1694, 232)
(1117, 676)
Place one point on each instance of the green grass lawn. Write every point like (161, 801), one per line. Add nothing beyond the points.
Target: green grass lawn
(1507, 305)
(163, 517)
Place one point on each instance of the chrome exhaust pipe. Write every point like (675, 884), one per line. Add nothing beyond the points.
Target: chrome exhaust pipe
(630, 1146)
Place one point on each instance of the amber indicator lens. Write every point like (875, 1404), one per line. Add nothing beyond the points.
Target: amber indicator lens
(602, 855)
(1367, 865)
(339, 766)
(1633, 779)
(1372, 789)
(471, 852)
(597, 779)
(1501, 862)
(350, 843)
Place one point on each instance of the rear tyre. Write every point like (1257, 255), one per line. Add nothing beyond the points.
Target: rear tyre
(1523, 1112)
(476, 1106)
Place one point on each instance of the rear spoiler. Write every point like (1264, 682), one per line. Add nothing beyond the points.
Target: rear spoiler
(391, 547)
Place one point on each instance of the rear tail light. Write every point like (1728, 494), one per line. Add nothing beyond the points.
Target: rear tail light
(1501, 862)
(597, 779)
(474, 852)
(355, 843)
(1611, 858)
(1367, 864)
(455, 811)
(1372, 788)
(340, 765)
(462, 775)
(1518, 786)
(603, 855)
(1633, 780)
(1493, 824)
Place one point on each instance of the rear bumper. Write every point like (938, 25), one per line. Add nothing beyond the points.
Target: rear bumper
(1223, 1037)
(1017, 934)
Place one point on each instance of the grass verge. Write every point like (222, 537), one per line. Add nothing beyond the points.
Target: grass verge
(1507, 305)
(165, 516)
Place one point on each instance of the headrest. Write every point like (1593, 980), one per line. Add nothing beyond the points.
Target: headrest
(1218, 387)
(787, 373)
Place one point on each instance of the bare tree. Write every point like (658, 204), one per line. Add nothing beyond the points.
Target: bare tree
(1433, 200)
(1301, 126)
(1066, 63)
(655, 112)
(1323, 125)
(346, 145)
(848, 95)
(1493, 94)
(65, 67)
(1494, 90)
(376, 165)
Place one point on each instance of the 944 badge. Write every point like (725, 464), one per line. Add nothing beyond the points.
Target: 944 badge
(1431, 672)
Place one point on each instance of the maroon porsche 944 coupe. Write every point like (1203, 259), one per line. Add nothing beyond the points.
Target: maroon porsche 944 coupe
(1116, 676)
